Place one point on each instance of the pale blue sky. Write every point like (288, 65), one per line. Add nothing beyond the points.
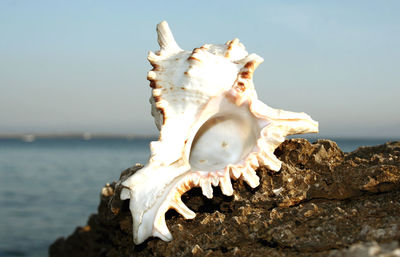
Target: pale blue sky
(75, 66)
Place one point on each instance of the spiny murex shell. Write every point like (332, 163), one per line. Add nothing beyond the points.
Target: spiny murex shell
(212, 128)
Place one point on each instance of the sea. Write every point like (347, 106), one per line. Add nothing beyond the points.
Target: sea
(49, 186)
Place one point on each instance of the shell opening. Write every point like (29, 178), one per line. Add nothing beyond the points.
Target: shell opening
(226, 138)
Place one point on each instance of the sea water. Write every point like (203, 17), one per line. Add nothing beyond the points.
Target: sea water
(50, 186)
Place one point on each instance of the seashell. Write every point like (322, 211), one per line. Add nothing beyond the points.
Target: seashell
(212, 128)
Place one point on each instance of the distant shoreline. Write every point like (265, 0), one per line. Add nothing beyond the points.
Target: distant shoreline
(29, 137)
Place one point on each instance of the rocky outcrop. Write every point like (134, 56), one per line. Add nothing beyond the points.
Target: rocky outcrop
(323, 202)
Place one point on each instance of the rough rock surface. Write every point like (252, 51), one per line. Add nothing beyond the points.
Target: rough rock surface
(323, 202)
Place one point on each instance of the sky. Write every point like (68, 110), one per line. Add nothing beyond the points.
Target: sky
(81, 66)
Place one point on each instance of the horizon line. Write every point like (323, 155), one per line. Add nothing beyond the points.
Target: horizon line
(89, 135)
(72, 135)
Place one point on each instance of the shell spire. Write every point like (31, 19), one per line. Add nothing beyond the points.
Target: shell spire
(166, 39)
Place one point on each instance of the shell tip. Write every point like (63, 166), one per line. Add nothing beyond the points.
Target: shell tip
(163, 233)
(166, 39)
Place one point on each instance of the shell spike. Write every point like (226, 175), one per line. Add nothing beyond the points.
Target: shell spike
(252, 61)
(250, 176)
(180, 207)
(166, 39)
(235, 172)
(151, 75)
(226, 184)
(206, 188)
(232, 42)
(160, 230)
(153, 58)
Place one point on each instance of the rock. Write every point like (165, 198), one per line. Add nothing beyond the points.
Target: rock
(369, 249)
(323, 202)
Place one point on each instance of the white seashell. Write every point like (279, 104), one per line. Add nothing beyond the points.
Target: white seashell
(212, 128)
